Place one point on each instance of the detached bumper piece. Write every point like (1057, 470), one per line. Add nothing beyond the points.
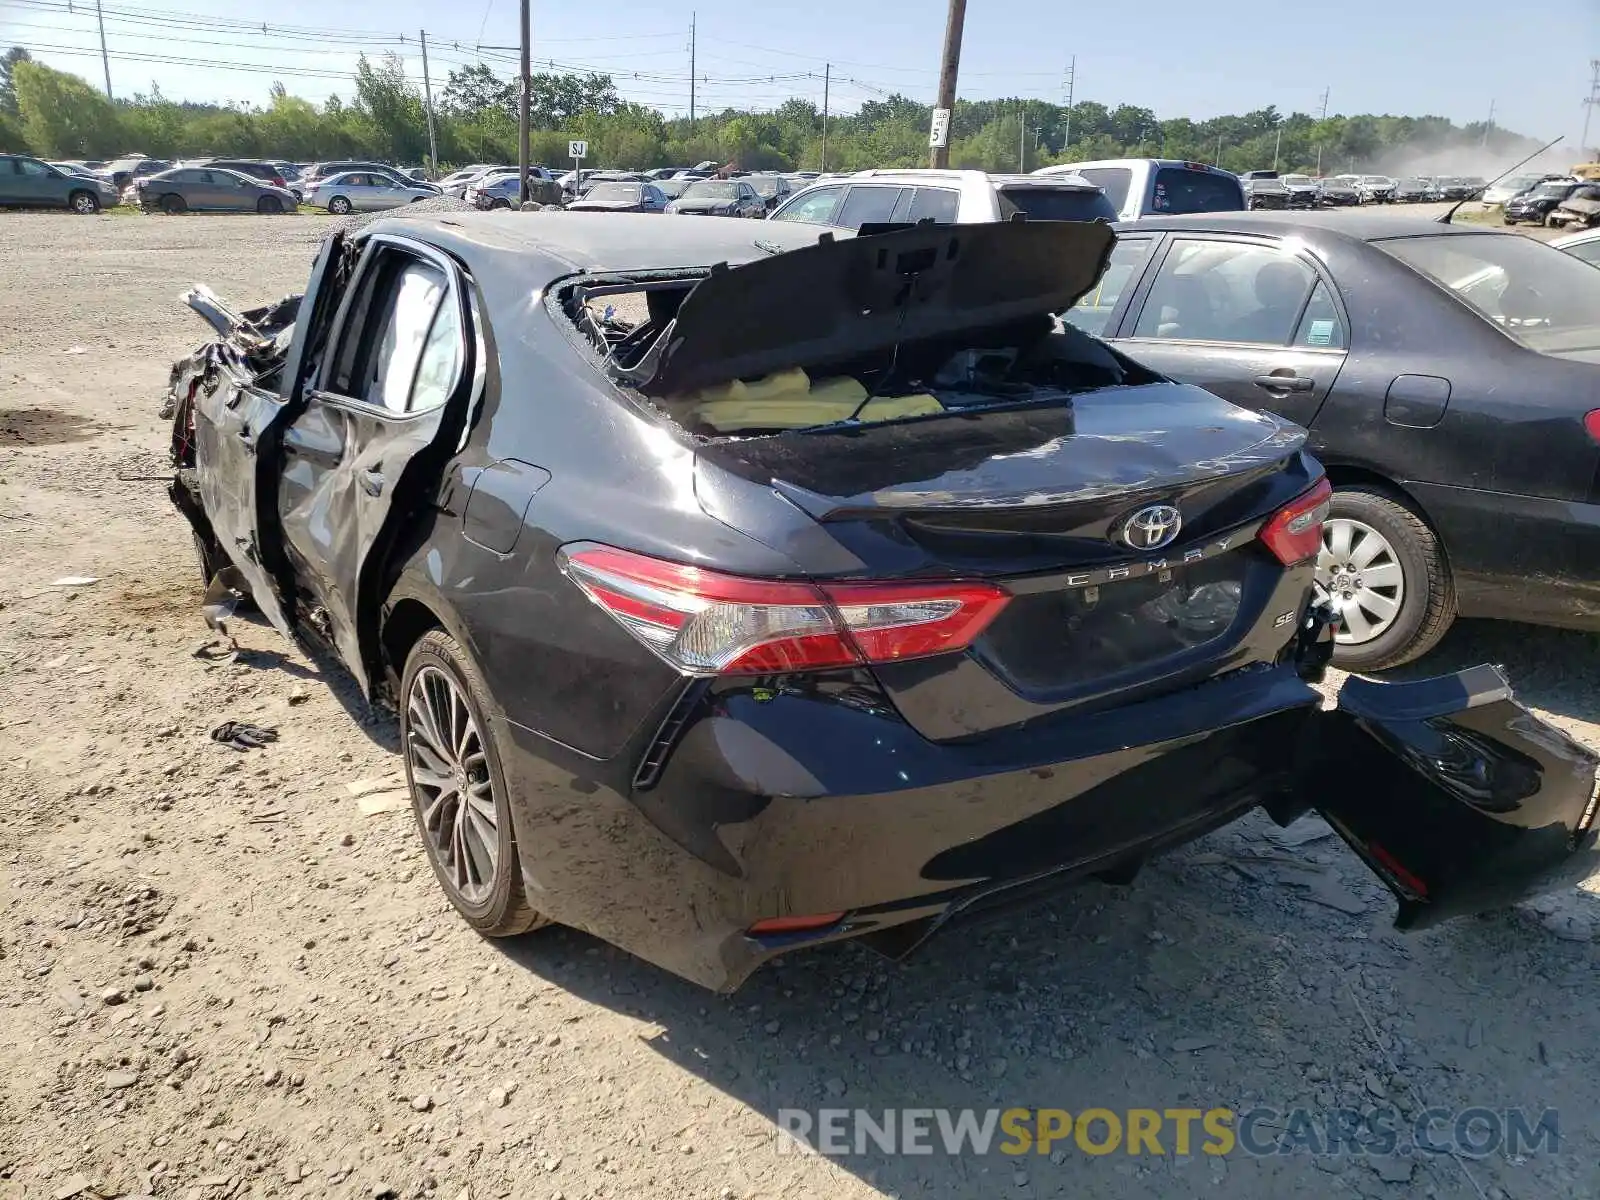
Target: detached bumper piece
(1456, 796)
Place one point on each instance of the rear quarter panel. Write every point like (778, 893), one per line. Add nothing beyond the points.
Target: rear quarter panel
(556, 664)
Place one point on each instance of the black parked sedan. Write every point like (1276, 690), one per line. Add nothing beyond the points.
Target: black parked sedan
(846, 592)
(1536, 204)
(719, 198)
(621, 197)
(1450, 378)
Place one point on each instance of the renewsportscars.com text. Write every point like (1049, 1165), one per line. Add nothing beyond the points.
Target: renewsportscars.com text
(1260, 1131)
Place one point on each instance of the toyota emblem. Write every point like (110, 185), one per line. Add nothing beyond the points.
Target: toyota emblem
(1153, 527)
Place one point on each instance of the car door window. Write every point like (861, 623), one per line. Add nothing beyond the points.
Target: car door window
(815, 207)
(868, 204)
(405, 323)
(440, 359)
(1321, 327)
(1209, 290)
(1093, 312)
(939, 205)
(35, 169)
(400, 344)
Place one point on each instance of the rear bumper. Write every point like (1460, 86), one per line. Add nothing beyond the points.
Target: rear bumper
(771, 802)
(779, 804)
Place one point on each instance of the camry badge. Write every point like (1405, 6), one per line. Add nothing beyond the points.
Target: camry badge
(1152, 528)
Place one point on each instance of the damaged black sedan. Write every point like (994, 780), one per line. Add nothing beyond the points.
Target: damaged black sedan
(740, 590)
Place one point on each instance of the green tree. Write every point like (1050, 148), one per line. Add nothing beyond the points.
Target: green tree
(472, 90)
(8, 91)
(61, 115)
(392, 108)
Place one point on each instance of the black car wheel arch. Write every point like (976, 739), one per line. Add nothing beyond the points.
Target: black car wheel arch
(173, 204)
(454, 773)
(1427, 599)
(269, 206)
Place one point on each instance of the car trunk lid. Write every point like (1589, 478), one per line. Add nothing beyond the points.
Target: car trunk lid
(848, 297)
(1040, 500)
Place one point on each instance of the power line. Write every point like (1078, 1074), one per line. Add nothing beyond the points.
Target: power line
(188, 20)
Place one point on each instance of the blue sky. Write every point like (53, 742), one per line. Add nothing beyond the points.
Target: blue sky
(1180, 57)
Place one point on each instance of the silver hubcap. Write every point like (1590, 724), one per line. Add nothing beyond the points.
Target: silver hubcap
(450, 779)
(83, 204)
(1359, 572)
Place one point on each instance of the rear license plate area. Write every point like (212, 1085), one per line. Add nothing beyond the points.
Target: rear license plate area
(1075, 636)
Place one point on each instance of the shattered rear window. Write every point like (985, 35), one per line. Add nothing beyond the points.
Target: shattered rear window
(1038, 360)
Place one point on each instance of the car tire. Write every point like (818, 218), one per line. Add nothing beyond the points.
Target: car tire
(85, 204)
(213, 558)
(172, 204)
(486, 889)
(339, 206)
(1426, 590)
(269, 206)
(494, 204)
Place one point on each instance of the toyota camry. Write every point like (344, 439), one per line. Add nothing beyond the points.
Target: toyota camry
(740, 589)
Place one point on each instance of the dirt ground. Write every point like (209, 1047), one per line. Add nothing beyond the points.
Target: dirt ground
(219, 977)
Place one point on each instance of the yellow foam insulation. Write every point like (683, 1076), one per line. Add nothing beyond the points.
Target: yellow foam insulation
(790, 400)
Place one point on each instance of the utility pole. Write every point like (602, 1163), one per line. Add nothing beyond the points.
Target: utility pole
(691, 71)
(1323, 117)
(827, 78)
(1022, 142)
(1071, 82)
(1276, 147)
(427, 100)
(1488, 125)
(105, 59)
(524, 101)
(1217, 161)
(1589, 106)
(949, 65)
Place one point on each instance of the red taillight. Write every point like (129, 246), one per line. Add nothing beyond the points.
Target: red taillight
(1404, 877)
(707, 623)
(1294, 532)
(1591, 423)
(277, 181)
(805, 924)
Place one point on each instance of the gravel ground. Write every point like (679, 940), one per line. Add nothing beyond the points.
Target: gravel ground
(219, 977)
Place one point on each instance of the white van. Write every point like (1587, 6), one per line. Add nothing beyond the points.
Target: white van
(1158, 187)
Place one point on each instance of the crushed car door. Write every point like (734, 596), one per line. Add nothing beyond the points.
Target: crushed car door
(239, 389)
(1457, 797)
(355, 461)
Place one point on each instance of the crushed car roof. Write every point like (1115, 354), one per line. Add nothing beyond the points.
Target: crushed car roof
(602, 241)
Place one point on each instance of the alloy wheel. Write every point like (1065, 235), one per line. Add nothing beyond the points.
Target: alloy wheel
(1359, 572)
(450, 779)
(84, 204)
